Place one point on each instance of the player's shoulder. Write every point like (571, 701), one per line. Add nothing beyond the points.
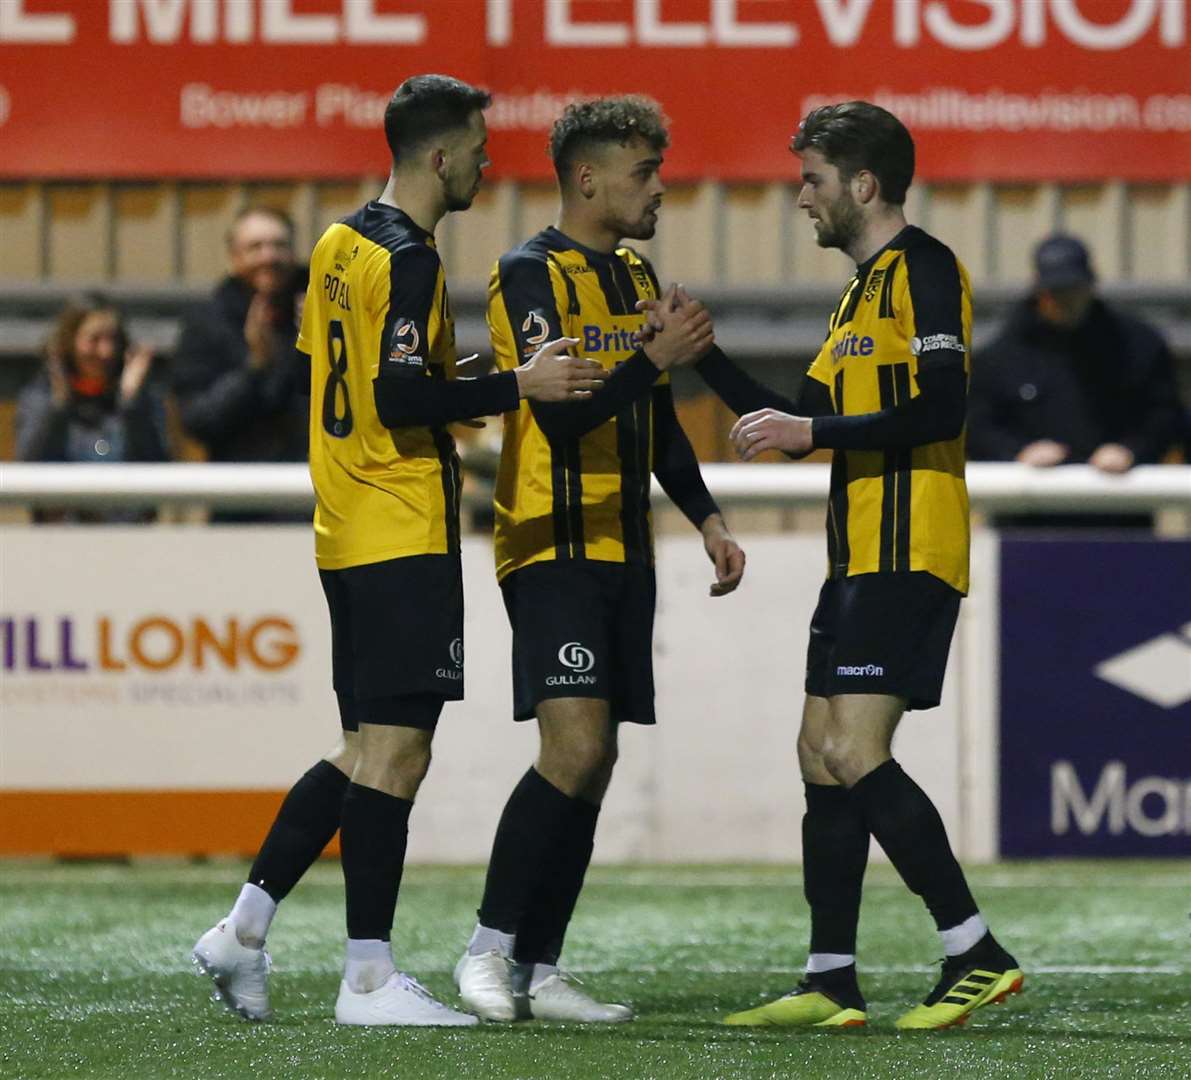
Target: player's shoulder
(919, 243)
(528, 264)
(531, 254)
(926, 256)
(379, 228)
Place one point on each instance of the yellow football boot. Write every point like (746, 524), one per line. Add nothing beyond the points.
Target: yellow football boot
(809, 1005)
(985, 975)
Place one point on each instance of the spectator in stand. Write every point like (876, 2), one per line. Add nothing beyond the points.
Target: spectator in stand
(1071, 380)
(94, 400)
(241, 384)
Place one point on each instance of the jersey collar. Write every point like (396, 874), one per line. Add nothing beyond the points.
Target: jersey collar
(399, 215)
(561, 242)
(898, 243)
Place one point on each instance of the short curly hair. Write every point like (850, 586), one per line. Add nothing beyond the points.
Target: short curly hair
(606, 120)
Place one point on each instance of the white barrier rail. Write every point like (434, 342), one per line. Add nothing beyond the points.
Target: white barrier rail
(992, 486)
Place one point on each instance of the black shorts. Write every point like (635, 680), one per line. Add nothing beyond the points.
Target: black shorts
(583, 629)
(396, 632)
(882, 634)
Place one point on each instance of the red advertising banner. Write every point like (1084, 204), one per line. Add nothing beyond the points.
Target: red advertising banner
(991, 89)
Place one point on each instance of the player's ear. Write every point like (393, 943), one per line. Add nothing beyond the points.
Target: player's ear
(864, 186)
(585, 180)
(438, 162)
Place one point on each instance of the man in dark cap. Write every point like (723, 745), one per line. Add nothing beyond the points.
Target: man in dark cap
(1071, 380)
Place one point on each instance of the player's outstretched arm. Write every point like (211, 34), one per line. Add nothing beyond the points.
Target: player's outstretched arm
(737, 389)
(552, 374)
(936, 414)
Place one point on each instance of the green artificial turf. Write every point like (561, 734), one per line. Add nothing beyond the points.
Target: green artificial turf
(95, 979)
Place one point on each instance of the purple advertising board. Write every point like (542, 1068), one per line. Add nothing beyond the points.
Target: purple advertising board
(1095, 732)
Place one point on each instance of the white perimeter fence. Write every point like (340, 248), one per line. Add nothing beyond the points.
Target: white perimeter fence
(176, 658)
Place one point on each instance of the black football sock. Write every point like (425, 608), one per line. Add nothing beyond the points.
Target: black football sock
(304, 826)
(527, 837)
(908, 827)
(834, 857)
(542, 930)
(372, 849)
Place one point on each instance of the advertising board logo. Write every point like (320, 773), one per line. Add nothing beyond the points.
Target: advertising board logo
(576, 657)
(1149, 806)
(1158, 670)
(151, 643)
(154, 659)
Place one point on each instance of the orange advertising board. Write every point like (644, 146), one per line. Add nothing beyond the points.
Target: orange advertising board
(991, 89)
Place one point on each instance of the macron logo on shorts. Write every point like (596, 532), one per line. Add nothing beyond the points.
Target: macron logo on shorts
(860, 669)
(580, 660)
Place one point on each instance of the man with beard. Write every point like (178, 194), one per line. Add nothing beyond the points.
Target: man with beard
(887, 394)
(378, 330)
(574, 547)
(240, 383)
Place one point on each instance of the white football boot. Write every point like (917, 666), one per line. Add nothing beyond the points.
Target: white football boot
(555, 998)
(240, 974)
(400, 1002)
(486, 985)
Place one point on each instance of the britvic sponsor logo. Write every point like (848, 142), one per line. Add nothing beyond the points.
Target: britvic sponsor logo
(618, 339)
(853, 345)
(580, 660)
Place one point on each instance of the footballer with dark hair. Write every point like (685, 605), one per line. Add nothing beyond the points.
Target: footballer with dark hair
(887, 395)
(377, 327)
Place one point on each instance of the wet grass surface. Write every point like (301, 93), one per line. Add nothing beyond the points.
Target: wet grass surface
(95, 979)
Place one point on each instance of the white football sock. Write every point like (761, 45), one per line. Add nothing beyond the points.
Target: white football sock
(541, 972)
(959, 939)
(251, 915)
(484, 940)
(819, 962)
(369, 963)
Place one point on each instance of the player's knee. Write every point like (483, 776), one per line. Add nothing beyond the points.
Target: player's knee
(573, 763)
(842, 758)
(810, 750)
(397, 768)
(411, 766)
(345, 755)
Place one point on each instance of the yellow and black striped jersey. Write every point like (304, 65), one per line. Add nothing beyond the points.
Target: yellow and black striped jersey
(567, 491)
(377, 308)
(907, 310)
